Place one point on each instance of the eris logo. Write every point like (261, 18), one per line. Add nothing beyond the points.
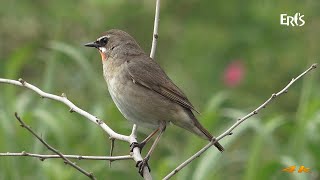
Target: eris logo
(295, 20)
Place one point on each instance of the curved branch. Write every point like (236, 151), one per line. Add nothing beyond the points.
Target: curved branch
(73, 108)
(239, 121)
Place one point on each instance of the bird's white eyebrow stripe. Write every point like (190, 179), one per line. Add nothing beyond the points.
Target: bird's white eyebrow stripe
(102, 37)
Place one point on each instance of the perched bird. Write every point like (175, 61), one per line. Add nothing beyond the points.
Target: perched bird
(142, 91)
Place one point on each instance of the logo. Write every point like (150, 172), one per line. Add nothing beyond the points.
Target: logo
(292, 169)
(296, 20)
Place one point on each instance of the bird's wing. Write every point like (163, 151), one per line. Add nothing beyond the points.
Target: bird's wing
(146, 72)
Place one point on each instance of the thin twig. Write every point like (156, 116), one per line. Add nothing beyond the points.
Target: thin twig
(78, 157)
(237, 123)
(66, 160)
(155, 30)
(111, 149)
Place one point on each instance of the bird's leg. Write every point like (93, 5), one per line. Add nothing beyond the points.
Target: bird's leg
(144, 162)
(144, 142)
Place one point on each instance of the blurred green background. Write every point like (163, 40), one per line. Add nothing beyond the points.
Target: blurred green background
(227, 56)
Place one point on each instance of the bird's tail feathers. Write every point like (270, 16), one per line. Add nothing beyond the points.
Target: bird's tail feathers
(202, 132)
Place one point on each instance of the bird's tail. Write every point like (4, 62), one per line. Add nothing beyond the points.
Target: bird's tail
(209, 136)
(199, 130)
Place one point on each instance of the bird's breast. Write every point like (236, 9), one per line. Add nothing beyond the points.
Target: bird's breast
(126, 95)
(138, 104)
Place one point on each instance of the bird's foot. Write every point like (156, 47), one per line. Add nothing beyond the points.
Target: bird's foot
(142, 164)
(136, 144)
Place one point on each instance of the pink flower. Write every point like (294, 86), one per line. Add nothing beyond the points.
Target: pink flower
(233, 73)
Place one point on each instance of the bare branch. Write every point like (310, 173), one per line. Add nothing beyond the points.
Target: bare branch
(73, 107)
(130, 139)
(155, 30)
(78, 157)
(237, 123)
(138, 157)
(66, 160)
(134, 131)
(111, 149)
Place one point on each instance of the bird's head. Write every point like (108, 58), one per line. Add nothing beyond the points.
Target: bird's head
(114, 41)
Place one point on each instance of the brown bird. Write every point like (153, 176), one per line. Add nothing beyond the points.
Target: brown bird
(142, 91)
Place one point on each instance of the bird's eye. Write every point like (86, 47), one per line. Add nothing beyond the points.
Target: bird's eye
(104, 41)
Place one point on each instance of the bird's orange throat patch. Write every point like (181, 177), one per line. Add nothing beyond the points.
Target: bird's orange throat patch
(103, 56)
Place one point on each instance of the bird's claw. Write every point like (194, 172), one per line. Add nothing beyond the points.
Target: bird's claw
(136, 144)
(142, 164)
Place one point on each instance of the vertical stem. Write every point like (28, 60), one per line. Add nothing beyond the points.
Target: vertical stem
(155, 30)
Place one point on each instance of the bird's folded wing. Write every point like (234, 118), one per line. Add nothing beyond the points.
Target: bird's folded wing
(146, 72)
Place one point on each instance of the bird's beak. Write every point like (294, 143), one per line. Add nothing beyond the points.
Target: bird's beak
(92, 44)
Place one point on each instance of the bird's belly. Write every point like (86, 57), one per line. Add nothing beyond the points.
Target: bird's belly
(140, 105)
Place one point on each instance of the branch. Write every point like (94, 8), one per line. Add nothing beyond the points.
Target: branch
(146, 173)
(66, 160)
(138, 157)
(73, 108)
(43, 157)
(155, 30)
(236, 124)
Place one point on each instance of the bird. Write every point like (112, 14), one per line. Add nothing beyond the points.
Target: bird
(143, 92)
